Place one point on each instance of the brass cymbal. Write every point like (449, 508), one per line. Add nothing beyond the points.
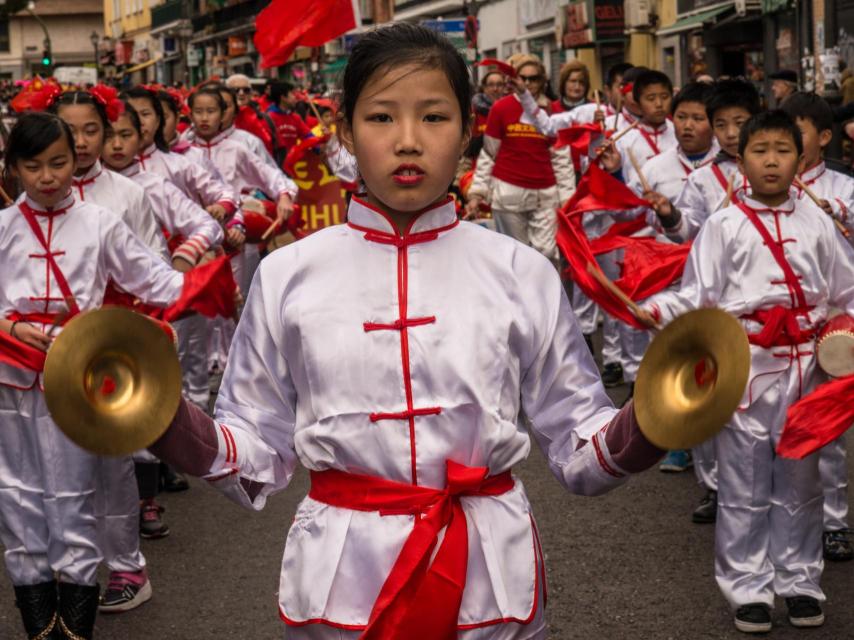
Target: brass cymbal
(112, 381)
(692, 378)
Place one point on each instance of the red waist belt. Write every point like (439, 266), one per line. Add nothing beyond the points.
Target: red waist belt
(780, 327)
(39, 318)
(418, 599)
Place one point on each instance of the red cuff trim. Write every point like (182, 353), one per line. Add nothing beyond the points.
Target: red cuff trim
(603, 462)
(228, 205)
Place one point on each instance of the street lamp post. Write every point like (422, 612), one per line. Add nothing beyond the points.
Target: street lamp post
(47, 54)
(95, 39)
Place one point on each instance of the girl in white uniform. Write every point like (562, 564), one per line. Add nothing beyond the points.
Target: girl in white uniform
(364, 355)
(57, 254)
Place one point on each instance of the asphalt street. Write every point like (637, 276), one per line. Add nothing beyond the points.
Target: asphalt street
(626, 566)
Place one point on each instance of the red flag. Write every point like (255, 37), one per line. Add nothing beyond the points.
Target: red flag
(502, 66)
(298, 152)
(208, 289)
(818, 418)
(285, 25)
(598, 190)
(578, 139)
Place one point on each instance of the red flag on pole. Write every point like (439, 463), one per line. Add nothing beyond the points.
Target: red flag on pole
(285, 25)
(818, 418)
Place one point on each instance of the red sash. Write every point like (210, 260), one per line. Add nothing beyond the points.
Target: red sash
(780, 323)
(418, 599)
(649, 140)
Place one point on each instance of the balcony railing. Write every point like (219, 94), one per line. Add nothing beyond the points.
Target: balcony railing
(168, 12)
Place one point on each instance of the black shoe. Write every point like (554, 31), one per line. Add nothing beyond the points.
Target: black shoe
(151, 526)
(171, 480)
(804, 611)
(612, 374)
(78, 606)
(38, 604)
(753, 618)
(837, 546)
(707, 511)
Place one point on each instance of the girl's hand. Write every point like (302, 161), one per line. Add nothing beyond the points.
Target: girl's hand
(662, 206)
(31, 336)
(217, 211)
(472, 208)
(284, 208)
(609, 157)
(235, 238)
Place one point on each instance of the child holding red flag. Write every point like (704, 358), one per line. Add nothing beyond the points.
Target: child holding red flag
(778, 264)
(379, 374)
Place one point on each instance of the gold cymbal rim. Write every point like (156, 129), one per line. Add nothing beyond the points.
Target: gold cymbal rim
(112, 381)
(678, 402)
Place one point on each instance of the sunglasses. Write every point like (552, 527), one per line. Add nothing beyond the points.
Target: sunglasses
(243, 90)
(536, 78)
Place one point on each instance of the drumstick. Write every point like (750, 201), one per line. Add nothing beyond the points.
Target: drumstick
(596, 98)
(729, 185)
(644, 183)
(619, 135)
(6, 197)
(602, 279)
(812, 196)
(270, 230)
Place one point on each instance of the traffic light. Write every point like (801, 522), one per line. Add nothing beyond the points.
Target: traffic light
(46, 58)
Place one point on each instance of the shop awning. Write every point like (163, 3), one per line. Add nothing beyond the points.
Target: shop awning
(139, 66)
(695, 21)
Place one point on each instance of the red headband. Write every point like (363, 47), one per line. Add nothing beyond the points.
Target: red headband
(39, 95)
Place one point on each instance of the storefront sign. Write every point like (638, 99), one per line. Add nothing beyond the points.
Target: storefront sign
(590, 22)
(321, 194)
(194, 57)
(237, 46)
(124, 52)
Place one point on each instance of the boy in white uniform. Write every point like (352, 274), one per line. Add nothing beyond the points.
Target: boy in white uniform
(779, 265)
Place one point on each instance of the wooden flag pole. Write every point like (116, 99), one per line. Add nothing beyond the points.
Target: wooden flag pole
(812, 196)
(643, 181)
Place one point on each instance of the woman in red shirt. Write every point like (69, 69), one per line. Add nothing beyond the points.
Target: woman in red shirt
(519, 172)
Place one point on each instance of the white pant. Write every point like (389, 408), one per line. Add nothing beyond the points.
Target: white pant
(706, 464)
(611, 347)
(529, 215)
(193, 354)
(586, 311)
(117, 510)
(47, 496)
(833, 467)
(769, 524)
(633, 345)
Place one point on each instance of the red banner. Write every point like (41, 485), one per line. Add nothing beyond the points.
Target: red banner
(322, 196)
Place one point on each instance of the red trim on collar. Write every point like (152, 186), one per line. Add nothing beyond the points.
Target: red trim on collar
(408, 231)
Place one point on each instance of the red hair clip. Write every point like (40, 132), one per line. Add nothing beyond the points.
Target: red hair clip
(178, 99)
(108, 97)
(39, 95)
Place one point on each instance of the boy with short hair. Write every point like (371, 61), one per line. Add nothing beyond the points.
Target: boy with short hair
(731, 104)
(814, 118)
(779, 265)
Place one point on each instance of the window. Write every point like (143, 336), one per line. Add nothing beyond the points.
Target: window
(4, 34)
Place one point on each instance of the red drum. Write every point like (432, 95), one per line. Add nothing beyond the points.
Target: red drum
(835, 346)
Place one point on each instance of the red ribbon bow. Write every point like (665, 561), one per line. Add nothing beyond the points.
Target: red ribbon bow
(108, 97)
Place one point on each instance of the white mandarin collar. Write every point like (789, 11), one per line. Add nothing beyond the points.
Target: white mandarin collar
(63, 205)
(149, 151)
(88, 177)
(132, 169)
(760, 207)
(813, 173)
(201, 142)
(438, 217)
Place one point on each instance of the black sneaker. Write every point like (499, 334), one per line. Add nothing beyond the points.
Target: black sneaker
(707, 511)
(171, 480)
(805, 611)
(837, 546)
(612, 374)
(753, 618)
(151, 526)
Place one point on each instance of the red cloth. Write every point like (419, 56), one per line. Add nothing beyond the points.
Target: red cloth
(208, 289)
(557, 106)
(286, 24)
(19, 355)
(780, 327)
(524, 159)
(578, 138)
(298, 151)
(248, 120)
(503, 67)
(418, 599)
(290, 128)
(818, 418)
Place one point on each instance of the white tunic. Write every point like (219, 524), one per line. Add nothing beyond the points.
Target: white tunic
(241, 136)
(730, 267)
(833, 186)
(241, 170)
(193, 178)
(319, 374)
(91, 246)
(645, 142)
(124, 198)
(705, 192)
(177, 214)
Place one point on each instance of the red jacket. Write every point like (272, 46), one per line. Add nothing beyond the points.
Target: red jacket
(249, 120)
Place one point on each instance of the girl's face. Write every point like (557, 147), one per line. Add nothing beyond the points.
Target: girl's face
(206, 115)
(148, 118)
(122, 145)
(170, 123)
(407, 136)
(88, 130)
(230, 110)
(47, 177)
